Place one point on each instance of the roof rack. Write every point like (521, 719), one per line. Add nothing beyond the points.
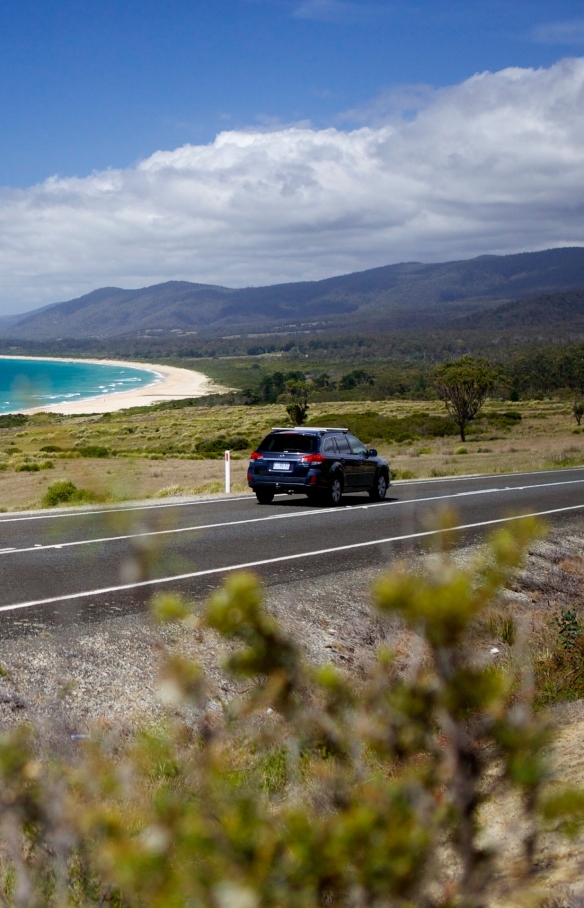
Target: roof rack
(308, 429)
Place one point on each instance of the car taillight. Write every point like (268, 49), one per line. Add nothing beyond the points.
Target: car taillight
(313, 458)
(257, 456)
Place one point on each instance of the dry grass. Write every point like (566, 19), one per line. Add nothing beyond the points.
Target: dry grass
(154, 453)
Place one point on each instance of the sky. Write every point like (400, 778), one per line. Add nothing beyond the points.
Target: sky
(246, 142)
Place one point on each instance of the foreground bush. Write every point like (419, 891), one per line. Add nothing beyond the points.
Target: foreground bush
(307, 789)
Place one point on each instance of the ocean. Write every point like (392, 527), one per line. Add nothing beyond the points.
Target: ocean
(27, 383)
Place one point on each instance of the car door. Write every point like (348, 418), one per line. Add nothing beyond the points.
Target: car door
(350, 463)
(364, 467)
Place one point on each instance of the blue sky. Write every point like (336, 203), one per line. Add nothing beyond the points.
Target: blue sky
(245, 142)
(87, 85)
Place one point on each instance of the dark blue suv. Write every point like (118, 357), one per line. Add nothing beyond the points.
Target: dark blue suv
(320, 463)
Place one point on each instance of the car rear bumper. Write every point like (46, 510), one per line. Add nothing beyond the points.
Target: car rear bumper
(289, 484)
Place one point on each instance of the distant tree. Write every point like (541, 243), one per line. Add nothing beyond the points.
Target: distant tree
(271, 387)
(355, 378)
(250, 397)
(323, 381)
(464, 386)
(297, 393)
(578, 410)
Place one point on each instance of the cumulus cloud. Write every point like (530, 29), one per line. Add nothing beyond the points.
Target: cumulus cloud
(495, 164)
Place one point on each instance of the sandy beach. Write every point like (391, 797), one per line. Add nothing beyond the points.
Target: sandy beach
(171, 383)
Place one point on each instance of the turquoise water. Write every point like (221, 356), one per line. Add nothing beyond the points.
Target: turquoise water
(26, 383)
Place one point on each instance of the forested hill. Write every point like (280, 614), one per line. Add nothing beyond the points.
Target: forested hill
(411, 295)
(560, 312)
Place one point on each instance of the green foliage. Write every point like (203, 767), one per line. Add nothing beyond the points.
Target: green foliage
(93, 451)
(221, 443)
(355, 379)
(311, 788)
(34, 466)
(464, 385)
(370, 426)
(65, 492)
(560, 672)
(505, 419)
(507, 630)
(297, 393)
(569, 629)
(12, 420)
(578, 410)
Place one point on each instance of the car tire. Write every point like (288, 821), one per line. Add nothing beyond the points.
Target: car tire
(264, 496)
(334, 493)
(379, 490)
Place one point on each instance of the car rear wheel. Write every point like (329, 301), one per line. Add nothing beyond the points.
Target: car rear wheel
(334, 492)
(379, 490)
(264, 496)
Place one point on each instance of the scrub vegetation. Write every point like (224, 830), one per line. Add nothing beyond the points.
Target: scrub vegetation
(311, 786)
(179, 450)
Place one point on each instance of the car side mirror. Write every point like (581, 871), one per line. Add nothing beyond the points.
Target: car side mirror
(371, 452)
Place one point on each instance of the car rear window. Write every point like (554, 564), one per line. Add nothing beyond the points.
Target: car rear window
(282, 442)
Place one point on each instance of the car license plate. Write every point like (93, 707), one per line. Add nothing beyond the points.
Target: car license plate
(281, 466)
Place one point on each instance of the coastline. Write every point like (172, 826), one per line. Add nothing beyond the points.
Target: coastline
(169, 383)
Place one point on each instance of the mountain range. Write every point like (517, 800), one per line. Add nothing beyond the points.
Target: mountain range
(479, 293)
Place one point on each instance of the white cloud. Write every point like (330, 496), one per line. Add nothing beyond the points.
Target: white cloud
(495, 164)
(571, 32)
(342, 11)
(402, 102)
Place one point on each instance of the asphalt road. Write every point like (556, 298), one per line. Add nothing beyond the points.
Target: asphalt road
(81, 565)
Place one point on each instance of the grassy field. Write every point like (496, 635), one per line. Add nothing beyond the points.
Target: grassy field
(151, 453)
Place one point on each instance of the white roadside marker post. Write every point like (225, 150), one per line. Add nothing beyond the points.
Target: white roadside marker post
(227, 472)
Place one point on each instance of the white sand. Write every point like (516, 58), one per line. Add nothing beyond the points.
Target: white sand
(170, 383)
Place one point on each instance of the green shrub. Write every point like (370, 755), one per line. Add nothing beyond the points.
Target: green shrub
(503, 420)
(51, 449)
(93, 451)
(311, 787)
(11, 420)
(65, 492)
(569, 629)
(560, 673)
(33, 466)
(370, 426)
(220, 443)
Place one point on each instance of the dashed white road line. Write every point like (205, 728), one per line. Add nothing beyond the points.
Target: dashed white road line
(53, 515)
(317, 512)
(249, 565)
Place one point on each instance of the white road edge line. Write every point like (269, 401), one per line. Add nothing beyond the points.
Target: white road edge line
(184, 504)
(254, 564)
(346, 509)
(137, 507)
